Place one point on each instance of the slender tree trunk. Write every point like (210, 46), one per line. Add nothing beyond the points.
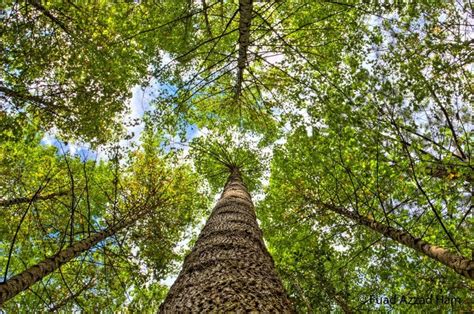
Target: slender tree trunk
(35, 273)
(229, 269)
(245, 11)
(206, 18)
(458, 263)
(20, 200)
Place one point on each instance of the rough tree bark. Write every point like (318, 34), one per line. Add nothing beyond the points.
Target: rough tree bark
(35, 273)
(458, 263)
(229, 269)
(5, 202)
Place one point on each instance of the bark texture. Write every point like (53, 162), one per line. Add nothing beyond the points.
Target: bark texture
(245, 11)
(229, 269)
(35, 198)
(458, 263)
(31, 275)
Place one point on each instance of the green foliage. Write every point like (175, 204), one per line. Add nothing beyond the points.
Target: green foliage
(216, 154)
(369, 102)
(97, 195)
(73, 65)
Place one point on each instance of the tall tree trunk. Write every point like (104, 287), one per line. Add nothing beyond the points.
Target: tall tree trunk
(229, 269)
(31, 275)
(245, 11)
(10, 202)
(458, 263)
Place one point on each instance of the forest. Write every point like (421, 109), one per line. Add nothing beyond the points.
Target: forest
(264, 156)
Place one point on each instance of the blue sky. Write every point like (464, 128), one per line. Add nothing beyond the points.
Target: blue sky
(139, 104)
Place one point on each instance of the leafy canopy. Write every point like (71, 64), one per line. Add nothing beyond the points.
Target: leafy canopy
(360, 105)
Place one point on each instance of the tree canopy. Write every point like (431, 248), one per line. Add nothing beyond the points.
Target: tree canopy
(351, 124)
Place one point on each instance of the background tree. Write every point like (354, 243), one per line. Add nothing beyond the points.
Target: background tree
(72, 65)
(156, 203)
